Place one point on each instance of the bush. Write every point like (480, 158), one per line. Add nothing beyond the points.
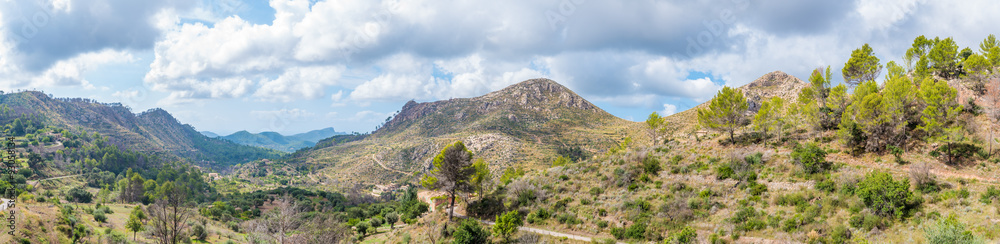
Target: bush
(827, 185)
(991, 194)
(486, 208)
(199, 232)
(636, 231)
(596, 191)
(886, 196)
(651, 165)
(686, 235)
(471, 232)
(748, 219)
(99, 216)
(811, 158)
(78, 194)
(840, 234)
(949, 230)
(723, 172)
(538, 216)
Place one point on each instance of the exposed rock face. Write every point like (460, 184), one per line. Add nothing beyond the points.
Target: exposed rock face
(535, 98)
(772, 84)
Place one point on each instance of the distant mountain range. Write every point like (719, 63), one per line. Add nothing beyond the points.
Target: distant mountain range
(154, 130)
(276, 141)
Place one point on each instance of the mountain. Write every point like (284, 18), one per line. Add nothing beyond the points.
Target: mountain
(276, 141)
(774, 84)
(316, 135)
(527, 124)
(209, 134)
(154, 130)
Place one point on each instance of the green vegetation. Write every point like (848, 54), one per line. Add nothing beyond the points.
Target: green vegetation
(886, 196)
(725, 112)
(452, 172)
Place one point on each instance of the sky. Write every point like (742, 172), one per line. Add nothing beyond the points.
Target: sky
(292, 66)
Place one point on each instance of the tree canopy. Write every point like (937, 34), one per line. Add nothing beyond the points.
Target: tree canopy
(862, 66)
(725, 112)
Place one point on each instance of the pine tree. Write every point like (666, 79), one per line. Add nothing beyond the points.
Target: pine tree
(452, 172)
(862, 66)
(725, 112)
(944, 58)
(939, 115)
(769, 117)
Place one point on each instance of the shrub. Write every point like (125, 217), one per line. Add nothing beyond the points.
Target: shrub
(811, 158)
(78, 194)
(596, 191)
(471, 232)
(949, 230)
(507, 224)
(827, 185)
(840, 234)
(723, 172)
(651, 165)
(885, 196)
(685, 235)
(748, 219)
(199, 232)
(992, 193)
(636, 231)
(99, 216)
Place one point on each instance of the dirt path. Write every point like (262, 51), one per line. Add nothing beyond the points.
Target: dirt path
(379, 162)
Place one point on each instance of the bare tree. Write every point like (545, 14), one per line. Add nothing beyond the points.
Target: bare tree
(168, 216)
(921, 174)
(993, 110)
(277, 224)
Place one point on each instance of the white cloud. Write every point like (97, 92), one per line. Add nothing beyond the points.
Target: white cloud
(290, 114)
(299, 83)
(668, 109)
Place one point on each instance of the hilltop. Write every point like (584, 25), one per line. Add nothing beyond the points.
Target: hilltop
(527, 124)
(154, 130)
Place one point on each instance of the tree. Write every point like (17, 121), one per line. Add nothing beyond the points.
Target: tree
(812, 158)
(169, 215)
(977, 68)
(769, 117)
(862, 66)
(277, 224)
(821, 85)
(507, 224)
(452, 172)
(134, 222)
(898, 101)
(838, 101)
(884, 195)
(391, 219)
(481, 176)
(989, 43)
(993, 106)
(725, 112)
(471, 232)
(941, 109)
(917, 53)
(657, 126)
(362, 228)
(944, 58)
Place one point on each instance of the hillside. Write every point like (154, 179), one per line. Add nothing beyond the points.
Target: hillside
(527, 124)
(276, 141)
(154, 130)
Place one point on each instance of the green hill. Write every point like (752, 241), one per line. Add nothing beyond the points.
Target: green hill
(527, 124)
(276, 141)
(154, 130)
